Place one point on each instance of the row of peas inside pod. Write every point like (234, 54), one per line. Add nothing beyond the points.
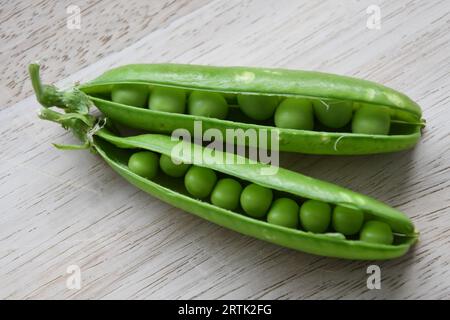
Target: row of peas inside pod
(259, 202)
(288, 113)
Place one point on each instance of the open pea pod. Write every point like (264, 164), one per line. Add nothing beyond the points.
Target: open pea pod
(117, 150)
(308, 112)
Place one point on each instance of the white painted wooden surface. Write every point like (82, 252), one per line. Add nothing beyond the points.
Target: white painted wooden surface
(68, 208)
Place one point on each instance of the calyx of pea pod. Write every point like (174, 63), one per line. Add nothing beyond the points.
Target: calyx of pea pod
(83, 126)
(72, 101)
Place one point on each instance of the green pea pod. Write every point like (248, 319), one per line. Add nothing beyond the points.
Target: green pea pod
(405, 114)
(115, 150)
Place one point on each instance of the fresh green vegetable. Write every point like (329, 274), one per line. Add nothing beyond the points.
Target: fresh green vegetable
(295, 114)
(258, 93)
(257, 107)
(117, 151)
(315, 216)
(172, 169)
(284, 212)
(167, 100)
(370, 120)
(132, 95)
(200, 181)
(256, 200)
(376, 232)
(226, 194)
(144, 164)
(347, 220)
(333, 114)
(207, 104)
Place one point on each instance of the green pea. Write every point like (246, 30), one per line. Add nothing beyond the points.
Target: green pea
(371, 120)
(256, 200)
(226, 194)
(207, 104)
(347, 220)
(376, 232)
(144, 164)
(257, 107)
(295, 114)
(284, 212)
(199, 181)
(167, 100)
(333, 114)
(130, 94)
(315, 216)
(172, 169)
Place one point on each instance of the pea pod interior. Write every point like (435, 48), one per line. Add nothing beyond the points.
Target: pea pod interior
(117, 151)
(256, 99)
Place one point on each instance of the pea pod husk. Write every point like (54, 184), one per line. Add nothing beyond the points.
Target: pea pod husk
(113, 149)
(261, 81)
(283, 180)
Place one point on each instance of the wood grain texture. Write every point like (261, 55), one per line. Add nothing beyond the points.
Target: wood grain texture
(40, 32)
(69, 208)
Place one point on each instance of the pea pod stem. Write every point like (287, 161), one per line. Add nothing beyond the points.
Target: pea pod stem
(80, 124)
(33, 70)
(49, 96)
